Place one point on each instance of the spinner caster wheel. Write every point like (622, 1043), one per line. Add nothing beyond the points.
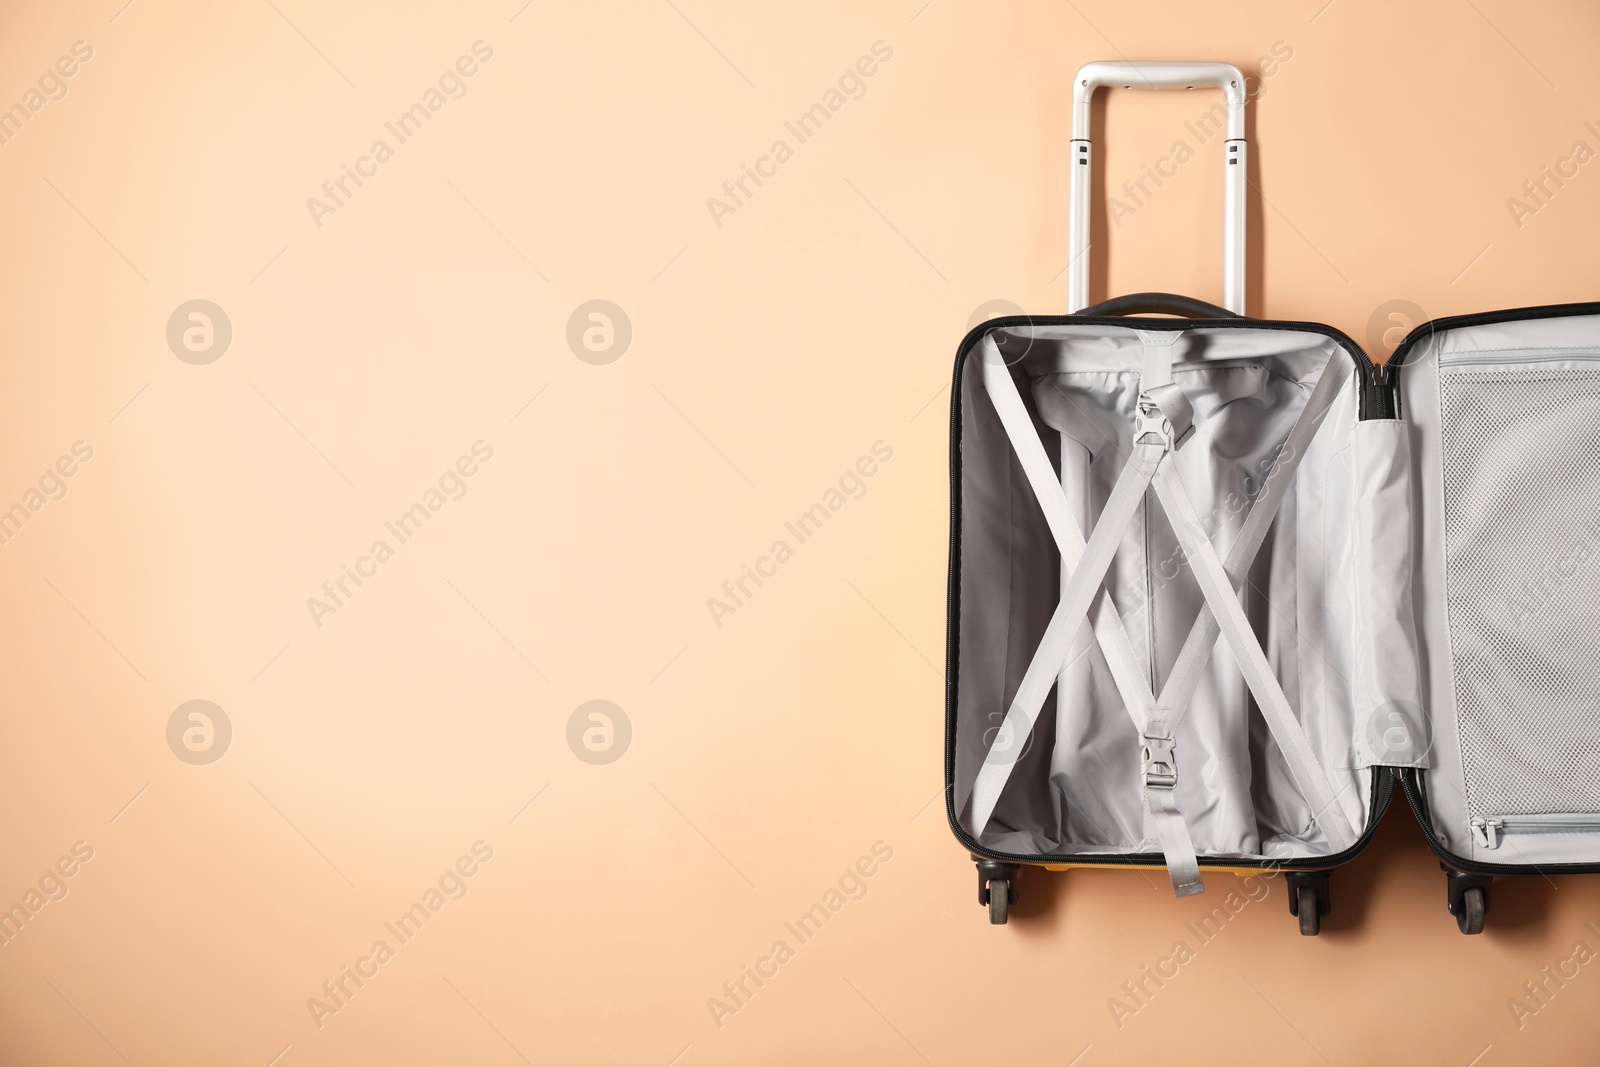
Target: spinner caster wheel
(997, 889)
(999, 901)
(1309, 899)
(1468, 899)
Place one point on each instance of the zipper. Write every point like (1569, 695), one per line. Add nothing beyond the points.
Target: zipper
(1533, 357)
(1488, 829)
(1411, 783)
(1386, 379)
(1425, 330)
(1380, 401)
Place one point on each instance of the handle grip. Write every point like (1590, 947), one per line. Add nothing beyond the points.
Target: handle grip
(1160, 75)
(1186, 307)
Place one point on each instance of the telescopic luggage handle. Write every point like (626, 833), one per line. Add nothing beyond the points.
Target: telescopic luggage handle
(1160, 75)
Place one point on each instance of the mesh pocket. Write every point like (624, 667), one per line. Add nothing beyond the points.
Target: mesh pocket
(1522, 568)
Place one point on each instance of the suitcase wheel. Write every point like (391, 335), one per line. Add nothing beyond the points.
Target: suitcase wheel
(997, 888)
(999, 900)
(1474, 906)
(1309, 899)
(1468, 899)
(1310, 921)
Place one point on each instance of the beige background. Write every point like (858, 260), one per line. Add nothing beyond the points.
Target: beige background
(767, 355)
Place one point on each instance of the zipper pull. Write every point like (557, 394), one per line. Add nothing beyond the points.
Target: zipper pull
(1380, 400)
(1486, 832)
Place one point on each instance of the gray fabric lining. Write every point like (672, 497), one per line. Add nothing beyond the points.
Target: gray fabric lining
(1387, 706)
(1507, 680)
(1075, 789)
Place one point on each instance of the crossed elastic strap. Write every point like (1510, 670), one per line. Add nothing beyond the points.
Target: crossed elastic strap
(1163, 421)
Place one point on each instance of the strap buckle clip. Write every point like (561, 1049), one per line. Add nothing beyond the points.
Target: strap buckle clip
(1159, 761)
(1151, 421)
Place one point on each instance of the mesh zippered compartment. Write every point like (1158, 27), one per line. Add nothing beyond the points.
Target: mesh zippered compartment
(1522, 567)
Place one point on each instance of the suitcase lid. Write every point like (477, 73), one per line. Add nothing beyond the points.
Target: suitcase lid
(1503, 413)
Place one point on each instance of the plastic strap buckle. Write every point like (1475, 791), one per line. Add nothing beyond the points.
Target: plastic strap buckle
(1151, 421)
(1159, 761)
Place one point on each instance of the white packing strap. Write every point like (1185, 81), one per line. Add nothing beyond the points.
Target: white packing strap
(1155, 384)
(1164, 824)
(1070, 613)
(1164, 412)
(1163, 821)
(1219, 593)
(1187, 670)
(1108, 625)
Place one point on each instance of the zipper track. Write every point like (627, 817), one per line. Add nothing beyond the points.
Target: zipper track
(1372, 402)
(1422, 332)
(1487, 830)
(1498, 359)
(1411, 781)
(1547, 822)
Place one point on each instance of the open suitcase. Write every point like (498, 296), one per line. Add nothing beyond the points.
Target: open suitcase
(1219, 586)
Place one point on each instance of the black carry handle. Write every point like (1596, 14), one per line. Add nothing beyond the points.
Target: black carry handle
(1186, 307)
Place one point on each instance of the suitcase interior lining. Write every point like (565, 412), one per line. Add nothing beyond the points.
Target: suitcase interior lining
(1076, 789)
(1505, 421)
